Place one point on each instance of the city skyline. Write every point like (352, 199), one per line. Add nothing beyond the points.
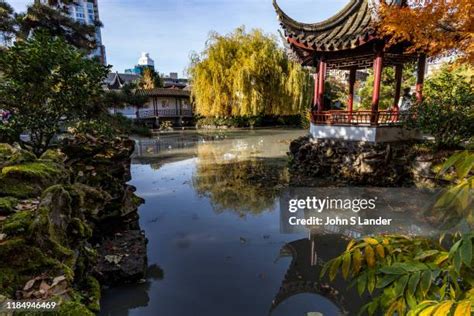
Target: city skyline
(170, 30)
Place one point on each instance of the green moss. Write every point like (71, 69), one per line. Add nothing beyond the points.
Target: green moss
(6, 151)
(7, 204)
(53, 155)
(52, 235)
(17, 224)
(93, 293)
(80, 228)
(33, 170)
(17, 189)
(90, 200)
(21, 261)
(9, 280)
(30, 179)
(20, 156)
(73, 308)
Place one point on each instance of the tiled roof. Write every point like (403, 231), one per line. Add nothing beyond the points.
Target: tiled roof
(116, 81)
(349, 28)
(163, 92)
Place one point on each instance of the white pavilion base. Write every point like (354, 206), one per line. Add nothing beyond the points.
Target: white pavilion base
(373, 134)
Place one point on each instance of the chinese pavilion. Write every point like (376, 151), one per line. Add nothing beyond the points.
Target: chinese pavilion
(349, 41)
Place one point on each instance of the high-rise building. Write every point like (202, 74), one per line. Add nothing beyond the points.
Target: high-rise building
(144, 61)
(87, 12)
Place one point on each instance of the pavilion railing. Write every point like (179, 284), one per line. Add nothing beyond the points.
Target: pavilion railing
(362, 118)
(149, 113)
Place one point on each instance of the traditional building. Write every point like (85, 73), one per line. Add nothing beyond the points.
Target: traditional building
(349, 41)
(166, 104)
(116, 81)
(171, 103)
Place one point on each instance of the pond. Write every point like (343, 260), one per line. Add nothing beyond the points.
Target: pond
(213, 223)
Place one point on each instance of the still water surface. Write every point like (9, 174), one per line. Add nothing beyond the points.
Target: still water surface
(213, 224)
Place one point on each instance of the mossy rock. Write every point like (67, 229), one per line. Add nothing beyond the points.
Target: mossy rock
(7, 204)
(21, 156)
(21, 260)
(6, 150)
(53, 155)
(73, 308)
(90, 200)
(42, 171)
(93, 291)
(17, 224)
(30, 179)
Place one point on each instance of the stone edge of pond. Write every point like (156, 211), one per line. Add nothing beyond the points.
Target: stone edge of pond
(69, 223)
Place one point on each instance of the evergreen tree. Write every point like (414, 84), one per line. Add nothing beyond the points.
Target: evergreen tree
(7, 23)
(53, 18)
(47, 84)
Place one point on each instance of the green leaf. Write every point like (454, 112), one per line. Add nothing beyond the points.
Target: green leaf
(466, 250)
(334, 267)
(393, 270)
(401, 284)
(425, 282)
(373, 307)
(346, 264)
(454, 248)
(386, 280)
(442, 291)
(457, 261)
(413, 282)
(361, 283)
(450, 162)
(371, 281)
(357, 261)
(351, 244)
(426, 254)
(411, 300)
(324, 269)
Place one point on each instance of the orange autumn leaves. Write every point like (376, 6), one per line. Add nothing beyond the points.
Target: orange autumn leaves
(437, 27)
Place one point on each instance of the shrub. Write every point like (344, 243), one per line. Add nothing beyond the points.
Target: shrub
(447, 112)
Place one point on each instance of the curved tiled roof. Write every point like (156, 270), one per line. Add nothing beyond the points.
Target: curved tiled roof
(166, 92)
(349, 28)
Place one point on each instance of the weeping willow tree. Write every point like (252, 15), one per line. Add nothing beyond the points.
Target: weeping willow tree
(247, 74)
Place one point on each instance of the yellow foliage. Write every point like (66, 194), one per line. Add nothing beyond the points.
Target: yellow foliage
(247, 74)
(438, 27)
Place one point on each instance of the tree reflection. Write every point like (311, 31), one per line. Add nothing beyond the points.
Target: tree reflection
(234, 178)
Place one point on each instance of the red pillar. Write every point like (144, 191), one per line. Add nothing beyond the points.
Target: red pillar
(421, 77)
(378, 66)
(350, 101)
(398, 86)
(316, 90)
(322, 78)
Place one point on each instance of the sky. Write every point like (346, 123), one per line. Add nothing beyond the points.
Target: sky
(171, 29)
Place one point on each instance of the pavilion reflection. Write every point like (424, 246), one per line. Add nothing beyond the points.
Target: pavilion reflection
(308, 256)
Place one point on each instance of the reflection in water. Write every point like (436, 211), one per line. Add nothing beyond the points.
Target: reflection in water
(217, 263)
(132, 296)
(308, 256)
(234, 179)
